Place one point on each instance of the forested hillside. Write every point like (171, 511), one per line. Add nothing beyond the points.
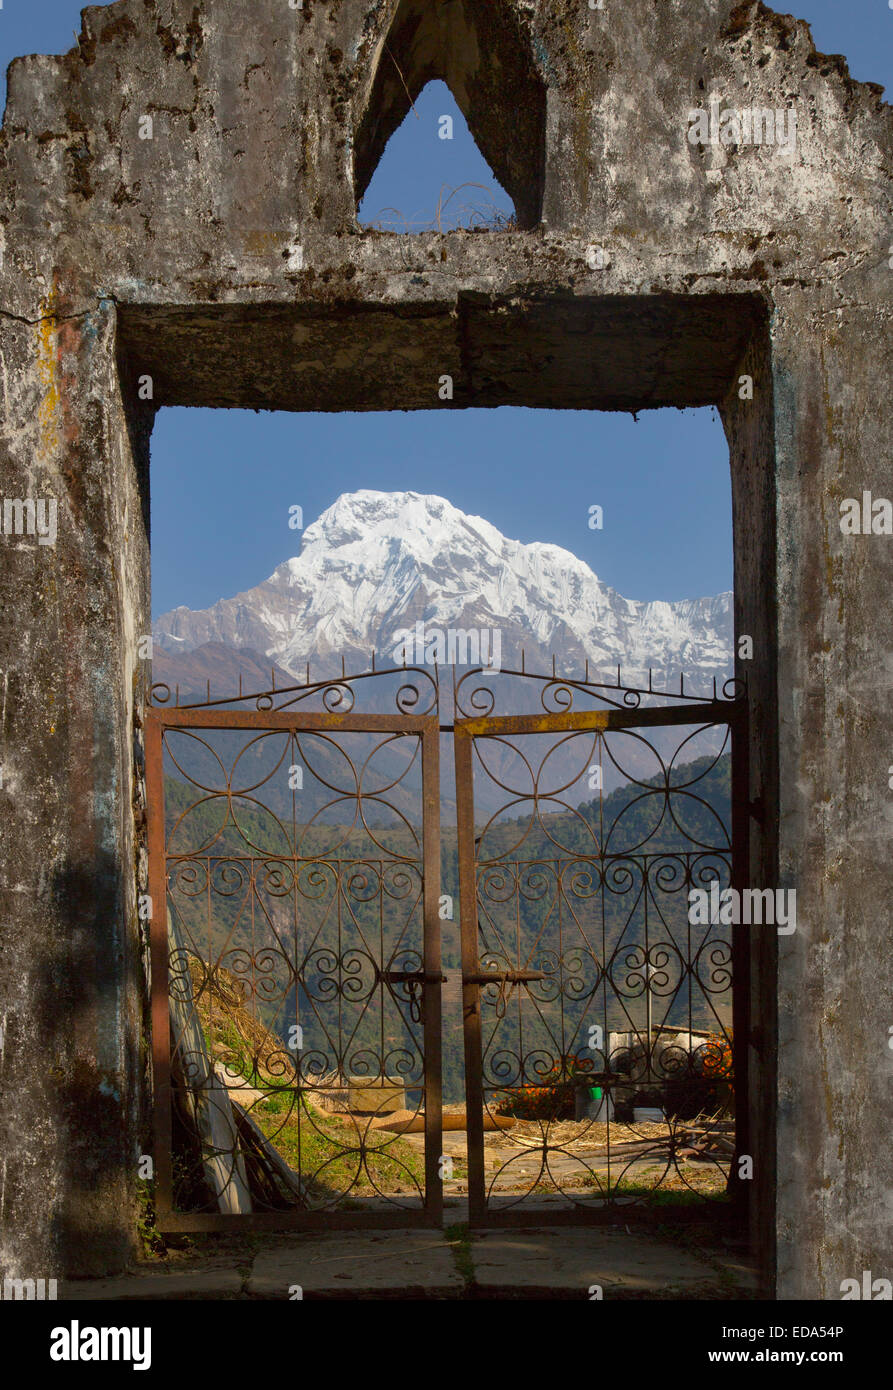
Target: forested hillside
(573, 895)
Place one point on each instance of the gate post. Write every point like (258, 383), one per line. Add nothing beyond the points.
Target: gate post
(74, 604)
(835, 700)
(742, 1017)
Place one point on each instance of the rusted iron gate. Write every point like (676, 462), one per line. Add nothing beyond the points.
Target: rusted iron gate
(296, 959)
(539, 992)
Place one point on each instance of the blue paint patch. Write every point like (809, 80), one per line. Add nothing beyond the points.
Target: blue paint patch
(542, 58)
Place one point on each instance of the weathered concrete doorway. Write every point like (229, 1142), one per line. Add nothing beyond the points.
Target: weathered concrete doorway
(150, 258)
(710, 344)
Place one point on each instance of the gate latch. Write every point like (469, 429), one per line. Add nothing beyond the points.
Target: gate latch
(413, 979)
(399, 977)
(503, 978)
(486, 977)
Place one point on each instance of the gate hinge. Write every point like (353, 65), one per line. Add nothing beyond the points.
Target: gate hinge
(757, 809)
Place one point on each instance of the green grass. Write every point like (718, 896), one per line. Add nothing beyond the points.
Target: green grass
(151, 1240)
(334, 1156)
(656, 1196)
(459, 1238)
(238, 1057)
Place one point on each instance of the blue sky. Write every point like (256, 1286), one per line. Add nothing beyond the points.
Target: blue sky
(223, 481)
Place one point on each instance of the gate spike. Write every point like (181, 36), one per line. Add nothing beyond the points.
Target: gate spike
(618, 675)
(343, 668)
(209, 692)
(240, 685)
(522, 661)
(373, 660)
(273, 674)
(553, 665)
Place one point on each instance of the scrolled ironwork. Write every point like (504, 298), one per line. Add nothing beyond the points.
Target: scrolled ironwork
(417, 693)
(296, 981)
(560, 694)
(615, 1061)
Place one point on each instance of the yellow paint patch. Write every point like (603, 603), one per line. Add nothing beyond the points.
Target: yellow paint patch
(260, 243)
(48, 412)
(536, 724)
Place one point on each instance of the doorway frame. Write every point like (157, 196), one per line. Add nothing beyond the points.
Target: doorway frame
(609, 353)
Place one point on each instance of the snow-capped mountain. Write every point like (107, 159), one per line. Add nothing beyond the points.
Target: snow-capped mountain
(377, 563)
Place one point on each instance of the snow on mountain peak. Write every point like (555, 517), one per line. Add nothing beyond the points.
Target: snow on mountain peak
(375, 562)
(420, 520)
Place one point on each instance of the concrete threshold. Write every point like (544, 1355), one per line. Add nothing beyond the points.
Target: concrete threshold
(542, 1263)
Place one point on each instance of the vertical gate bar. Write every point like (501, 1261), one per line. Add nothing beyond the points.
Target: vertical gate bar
(158, 944)
(471, 1013)
(431, 987)
(741, 1191)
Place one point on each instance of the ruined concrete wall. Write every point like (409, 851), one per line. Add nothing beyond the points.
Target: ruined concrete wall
(70, 965)
(835, 690)
(254, 127)
(224, 252)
